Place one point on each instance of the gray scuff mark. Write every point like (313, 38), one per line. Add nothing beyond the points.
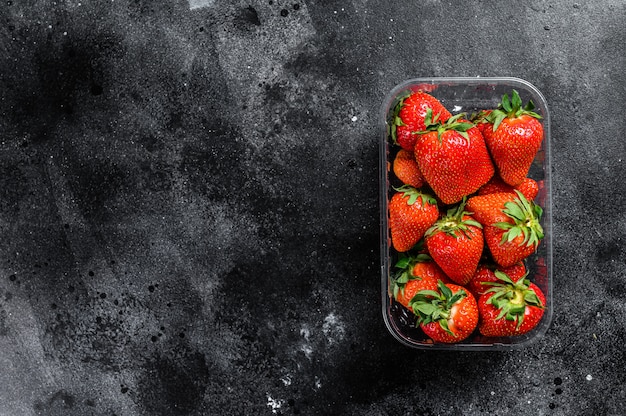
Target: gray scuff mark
(26, 371)
(199, 4)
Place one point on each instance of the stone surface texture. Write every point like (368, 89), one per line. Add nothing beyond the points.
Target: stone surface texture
(190, 219)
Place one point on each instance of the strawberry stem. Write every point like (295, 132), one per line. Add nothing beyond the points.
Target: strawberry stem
(454, 221)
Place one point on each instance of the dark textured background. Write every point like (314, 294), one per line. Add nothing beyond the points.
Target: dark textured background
(189, 206)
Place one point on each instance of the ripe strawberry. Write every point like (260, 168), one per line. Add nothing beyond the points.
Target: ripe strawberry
(405, 168)
(409, 116)
(487, 273)
(415, 272)
(481, 121)
(411, 213)
(529, 187)
(515, 139)
(510, 308)
(456, 244)
(448, 314)
(453, 158)
(430, 269)
(511, 225)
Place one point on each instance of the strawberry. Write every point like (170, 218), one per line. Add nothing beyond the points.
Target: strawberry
(515, 138)
(430, 269)
(411, 213)
(456, 244)
(511, 225)
(409, 116)
(448, 314)
(487, 273)
(415, 273)
(510, 308)
(529, 187)
(405, 168)
(453, 157)
(481, 121)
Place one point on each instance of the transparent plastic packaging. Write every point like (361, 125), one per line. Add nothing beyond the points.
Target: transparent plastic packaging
(466, 95)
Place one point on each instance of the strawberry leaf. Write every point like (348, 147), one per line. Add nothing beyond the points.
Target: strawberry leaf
(497, 118)
(412, 194)
(396, 120)
(525, 218)
(506, 103)
(511, 108)
(435, 305)
(516, 101)
(403, 261)
(511, 298)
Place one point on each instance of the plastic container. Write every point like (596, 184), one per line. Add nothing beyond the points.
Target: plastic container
(467, 95)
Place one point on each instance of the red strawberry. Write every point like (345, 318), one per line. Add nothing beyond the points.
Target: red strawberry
(405, 168)
(529, 187)
(409, 117)
(430, 269)
(487, 273)
(511, 225)
(453, 158)
(416, 272)
(411, 213)
(515, 139)
(510, 308)
(448, 314)
(456, 244)
(481, 121)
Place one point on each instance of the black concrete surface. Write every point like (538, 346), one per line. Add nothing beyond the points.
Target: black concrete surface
(189, 206)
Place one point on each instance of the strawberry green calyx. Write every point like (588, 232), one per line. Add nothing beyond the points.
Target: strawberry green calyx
(405, 264)
(436, 306)
(480, 117)
(526, 216)
(455, 221)
(409, 259)
(396, 120)
(413, 193)
(512, 298)
(511, 108)
(453, 123)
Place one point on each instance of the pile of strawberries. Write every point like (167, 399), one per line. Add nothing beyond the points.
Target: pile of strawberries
(463, 219)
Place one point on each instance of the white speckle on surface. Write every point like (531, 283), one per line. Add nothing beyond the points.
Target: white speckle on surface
(274, 404)
(318, 382)
(286, 379)
(307, 350)
(305, 332)
(589, 377)
(354, 118)
(333, 328)
(457, 108)
(198, 4)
